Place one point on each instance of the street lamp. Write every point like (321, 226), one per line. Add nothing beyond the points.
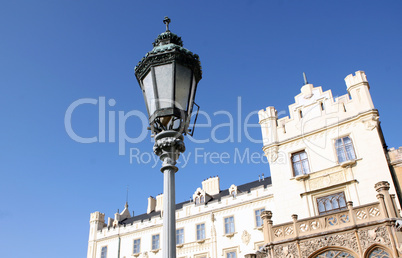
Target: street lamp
(168, 76)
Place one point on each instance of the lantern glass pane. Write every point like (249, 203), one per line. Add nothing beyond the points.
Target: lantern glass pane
(183, 86)
(193, 89)
(149, 93)
(164, 84)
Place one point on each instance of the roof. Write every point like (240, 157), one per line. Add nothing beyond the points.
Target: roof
(245, 188)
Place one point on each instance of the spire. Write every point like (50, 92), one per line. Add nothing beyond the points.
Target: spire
(305, 78)
(126, 198)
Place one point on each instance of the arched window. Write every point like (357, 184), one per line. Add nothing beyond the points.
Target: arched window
(334, 254)
(197, 200)
(379, 253)
(202, 199)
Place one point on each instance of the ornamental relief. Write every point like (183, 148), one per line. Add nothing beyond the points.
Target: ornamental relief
(287, 251)
(327, 180)
(347, 240)
(378, 235)
(266, 252)
(245, 237)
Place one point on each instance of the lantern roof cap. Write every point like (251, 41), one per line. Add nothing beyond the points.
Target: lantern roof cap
(167, 37)
(167, 47)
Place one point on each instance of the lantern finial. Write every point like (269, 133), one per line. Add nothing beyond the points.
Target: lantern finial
(166, 21)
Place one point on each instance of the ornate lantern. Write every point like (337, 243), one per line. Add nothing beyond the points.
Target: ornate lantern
(168, 76)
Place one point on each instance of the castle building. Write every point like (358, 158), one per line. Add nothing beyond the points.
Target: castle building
(215, 223)
(331, 193)
(333, 180)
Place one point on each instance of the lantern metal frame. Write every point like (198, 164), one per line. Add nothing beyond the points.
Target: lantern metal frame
(168, 50)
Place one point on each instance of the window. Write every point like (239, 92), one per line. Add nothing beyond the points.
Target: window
(300, 163)
(330, 203)
(155, 242)
(199, 199)
(229, 225)
(137, 246)
(233, 193)
(231, 254)
(200, 231)
(334, 253)
(344, 149)
(104, 252)
(379, 253)
(258, 219)
(180, 236)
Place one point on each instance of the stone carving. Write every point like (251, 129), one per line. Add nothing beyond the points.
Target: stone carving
(145, 255)
(245, 237)
(265, 252)
(287, 251)
(278, 232)
(347, 240)
(272, 154)
(371, 123)
(377, 235)
(288, 230)
(327, 180)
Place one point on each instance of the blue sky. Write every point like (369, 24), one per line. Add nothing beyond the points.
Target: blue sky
(53, 53)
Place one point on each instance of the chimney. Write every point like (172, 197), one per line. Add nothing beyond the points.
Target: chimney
(151, 204)
(211, 185)
(159, 202)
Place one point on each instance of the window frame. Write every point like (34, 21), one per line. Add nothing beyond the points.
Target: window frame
(139, 246)
(224, 225)
(255, 217)
(177, 242)
(102, 248)
(340, 208)
(300, 162)
(203, 230)
(152, 242)
(344, 149)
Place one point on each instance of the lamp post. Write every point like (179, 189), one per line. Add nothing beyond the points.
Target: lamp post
(168, 76)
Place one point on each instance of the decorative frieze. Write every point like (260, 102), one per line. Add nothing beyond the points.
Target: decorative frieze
(286, 251)
(347, 240)
(377, 235)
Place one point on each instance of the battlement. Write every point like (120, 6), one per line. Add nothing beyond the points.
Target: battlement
(314, 109)
(352, 80)
(97, 217)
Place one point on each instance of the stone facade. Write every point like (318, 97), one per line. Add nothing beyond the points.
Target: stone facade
(395, 160)
(356, 231)
(324, 158)
(214, 205)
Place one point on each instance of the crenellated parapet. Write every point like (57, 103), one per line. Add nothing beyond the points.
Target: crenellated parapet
(315, 110)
